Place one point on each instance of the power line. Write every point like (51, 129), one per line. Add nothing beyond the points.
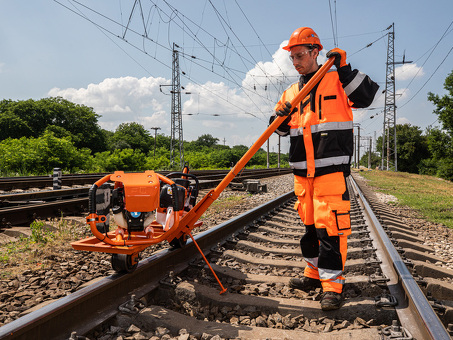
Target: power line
(421, 67)
(103, 30)
(371, 44)
(143, 50)
(257, 35)
(334, 25)
(222, 64)
(410, 99)
(229, 26)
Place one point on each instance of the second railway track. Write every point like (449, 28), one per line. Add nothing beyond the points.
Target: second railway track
(255, 255)
(20, 209)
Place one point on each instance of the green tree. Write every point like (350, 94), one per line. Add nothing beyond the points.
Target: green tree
(221, 158)
(375, 160)
(132, 136)
(411, 146)
(206, 140)
(121, 160)
(30, 118)
(198, 159)
(440, 141)
(258, 159)
(444, 105)
(440, 162)
(12, 126)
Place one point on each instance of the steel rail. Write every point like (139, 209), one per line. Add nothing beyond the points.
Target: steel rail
(75, 201)
(25, 182)
(92, 305)
(414, 310)
(25, 214)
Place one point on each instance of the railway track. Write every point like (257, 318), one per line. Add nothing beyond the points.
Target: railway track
(255, 254)
(20, 209)
(27, 182)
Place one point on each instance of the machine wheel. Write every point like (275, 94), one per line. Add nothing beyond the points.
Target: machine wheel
(179, 242)
(123, 263)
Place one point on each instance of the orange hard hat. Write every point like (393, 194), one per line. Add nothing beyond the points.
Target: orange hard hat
(303, 36)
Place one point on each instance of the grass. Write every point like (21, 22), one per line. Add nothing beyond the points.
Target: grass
(29, 252)
(432, 197)
(224, 203)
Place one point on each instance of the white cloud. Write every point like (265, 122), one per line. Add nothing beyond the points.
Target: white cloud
(217, 124)
(402, 120)
(237, 114)
(120, 100)
(408, 71)
(2, 66)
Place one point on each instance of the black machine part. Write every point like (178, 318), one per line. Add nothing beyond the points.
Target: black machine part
(172, 195)
(118, 200)
(192, 190)
(103, 204)
(135, 220)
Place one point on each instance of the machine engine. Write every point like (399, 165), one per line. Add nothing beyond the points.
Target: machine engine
(136, 207)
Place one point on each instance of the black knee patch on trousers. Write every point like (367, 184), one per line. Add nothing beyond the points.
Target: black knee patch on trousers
(309, 244)
(329, 251)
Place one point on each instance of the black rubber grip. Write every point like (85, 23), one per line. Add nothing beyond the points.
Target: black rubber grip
(175, 197)
(92, 199)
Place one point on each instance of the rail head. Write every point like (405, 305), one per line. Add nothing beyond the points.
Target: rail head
(429, 324)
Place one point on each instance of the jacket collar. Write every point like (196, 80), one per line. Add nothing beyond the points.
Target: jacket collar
(304, 78)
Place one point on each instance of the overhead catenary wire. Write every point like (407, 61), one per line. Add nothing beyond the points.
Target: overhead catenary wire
(103, 30)
(333, 21)
(432, 74)
(259, 38)
(432, 49)
(115, 22)
(236, 36)
(246, 111)
(214, 57)
(177, 19)
(371, 43)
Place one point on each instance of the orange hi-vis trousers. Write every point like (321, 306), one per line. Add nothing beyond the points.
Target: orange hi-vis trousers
(324, 207)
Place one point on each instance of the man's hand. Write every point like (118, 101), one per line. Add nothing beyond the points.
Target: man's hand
(340, 57)
(285, 110)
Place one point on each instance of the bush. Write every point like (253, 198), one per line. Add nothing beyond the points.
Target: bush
(41, 155)
(39, 234)
(427, 167)
(121, 160)
(445, 169)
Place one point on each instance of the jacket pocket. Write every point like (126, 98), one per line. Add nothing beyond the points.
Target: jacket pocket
(322, 98)
(329, 105)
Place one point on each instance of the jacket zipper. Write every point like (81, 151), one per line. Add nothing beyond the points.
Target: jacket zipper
(319, 106)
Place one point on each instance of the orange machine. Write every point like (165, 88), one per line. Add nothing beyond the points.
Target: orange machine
(150, 208)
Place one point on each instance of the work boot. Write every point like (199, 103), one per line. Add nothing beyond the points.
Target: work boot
(331, 300)
(306, 283)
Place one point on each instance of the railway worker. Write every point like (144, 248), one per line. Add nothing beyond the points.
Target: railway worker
(321, 147)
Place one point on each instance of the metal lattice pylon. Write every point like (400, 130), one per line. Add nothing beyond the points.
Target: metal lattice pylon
(176, 113)
(389, 155)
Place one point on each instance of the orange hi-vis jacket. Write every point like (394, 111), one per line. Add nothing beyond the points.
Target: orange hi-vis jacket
(321, 132)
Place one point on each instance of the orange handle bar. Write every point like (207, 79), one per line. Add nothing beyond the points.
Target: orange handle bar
(193, 216)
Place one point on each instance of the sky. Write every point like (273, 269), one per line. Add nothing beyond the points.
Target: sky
(116, 57)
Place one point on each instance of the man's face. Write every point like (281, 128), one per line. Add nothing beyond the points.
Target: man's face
(303, 59)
